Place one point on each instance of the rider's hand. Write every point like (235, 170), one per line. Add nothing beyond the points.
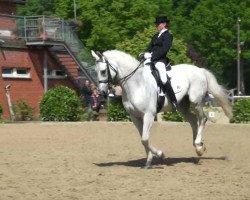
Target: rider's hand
(147, 55)
(141, 55)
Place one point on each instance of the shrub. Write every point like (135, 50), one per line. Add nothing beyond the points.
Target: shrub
(23, 111)
(60, 104)
(241, 111)
(172, 116)
(116, 111)
(88, 115)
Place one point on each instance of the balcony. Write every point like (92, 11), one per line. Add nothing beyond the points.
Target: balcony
(39, 30)
(54, 33)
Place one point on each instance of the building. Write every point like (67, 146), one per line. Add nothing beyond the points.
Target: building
(37, 53)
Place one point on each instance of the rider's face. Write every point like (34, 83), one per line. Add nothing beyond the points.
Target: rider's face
(160, 26)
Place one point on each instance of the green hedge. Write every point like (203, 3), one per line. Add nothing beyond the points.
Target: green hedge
(116, 111)
(60, 104)
(172, 116)
(241, 111)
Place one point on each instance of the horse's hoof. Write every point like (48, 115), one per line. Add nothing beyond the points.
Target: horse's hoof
(200, 149)
(160, 155)
(197, 160)
(147, 167)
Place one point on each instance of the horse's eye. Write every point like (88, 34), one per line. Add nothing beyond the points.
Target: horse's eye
(103, 72)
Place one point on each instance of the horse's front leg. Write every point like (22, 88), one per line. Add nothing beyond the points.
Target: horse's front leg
(150, 150)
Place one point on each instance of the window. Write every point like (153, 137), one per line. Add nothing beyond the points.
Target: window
(7, 71)
(59, 73)
(56, 74)
(21, 71)
(14, 72)
(49, 72)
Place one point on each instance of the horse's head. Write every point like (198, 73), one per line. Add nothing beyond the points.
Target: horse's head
(106, 72)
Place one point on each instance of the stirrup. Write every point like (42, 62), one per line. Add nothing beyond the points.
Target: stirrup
(174, 107)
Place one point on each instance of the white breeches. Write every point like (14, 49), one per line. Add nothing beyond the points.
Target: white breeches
(160, 66)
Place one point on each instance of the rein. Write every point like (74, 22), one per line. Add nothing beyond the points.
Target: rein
(131, 74)
(109, 66)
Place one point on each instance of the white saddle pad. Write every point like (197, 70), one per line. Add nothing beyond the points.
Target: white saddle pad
(176, 86)
(175, 82)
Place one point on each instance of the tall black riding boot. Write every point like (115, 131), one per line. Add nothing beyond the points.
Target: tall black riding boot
(170, 92)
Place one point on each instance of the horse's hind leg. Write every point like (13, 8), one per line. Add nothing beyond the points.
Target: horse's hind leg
(197, 121)
(191, 118)
(202, 119)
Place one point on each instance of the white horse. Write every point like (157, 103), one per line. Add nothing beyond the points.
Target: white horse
(140, 94)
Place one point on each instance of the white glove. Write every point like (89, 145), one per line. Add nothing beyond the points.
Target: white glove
(141, 55)
(147, 55)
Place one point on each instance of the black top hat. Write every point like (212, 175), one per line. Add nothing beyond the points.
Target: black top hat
(162, 19)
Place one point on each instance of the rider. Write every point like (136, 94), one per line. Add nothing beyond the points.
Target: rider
(157, 53)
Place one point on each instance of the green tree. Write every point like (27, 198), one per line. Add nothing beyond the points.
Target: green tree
(37, 7)
(177, 54)
(211, 29)
(106, 22)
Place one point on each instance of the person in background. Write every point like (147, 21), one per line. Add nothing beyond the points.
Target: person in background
(86, 94)
(95, 103)
(93, 86)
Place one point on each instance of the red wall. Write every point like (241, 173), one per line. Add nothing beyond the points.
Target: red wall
(7, 8)
(31, 90)
(7, 23)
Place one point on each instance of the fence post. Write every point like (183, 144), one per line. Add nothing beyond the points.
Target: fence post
(7, 92)
(25, 29)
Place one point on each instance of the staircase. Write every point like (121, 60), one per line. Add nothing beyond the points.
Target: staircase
(62, 42)
(68, 62)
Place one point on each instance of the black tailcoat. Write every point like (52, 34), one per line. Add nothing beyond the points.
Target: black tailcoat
(159, 47)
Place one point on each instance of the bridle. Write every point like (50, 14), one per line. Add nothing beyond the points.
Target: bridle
(109, 67)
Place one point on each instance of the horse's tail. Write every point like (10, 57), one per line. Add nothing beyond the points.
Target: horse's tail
(219, 93)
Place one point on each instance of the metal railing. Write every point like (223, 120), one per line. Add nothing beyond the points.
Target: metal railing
(40, 27)
(52, 29)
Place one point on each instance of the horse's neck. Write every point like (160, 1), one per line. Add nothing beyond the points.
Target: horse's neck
(131, 82)
(129, 78)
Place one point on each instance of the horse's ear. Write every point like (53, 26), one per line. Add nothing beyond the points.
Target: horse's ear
(102, 58)
(95, 55)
